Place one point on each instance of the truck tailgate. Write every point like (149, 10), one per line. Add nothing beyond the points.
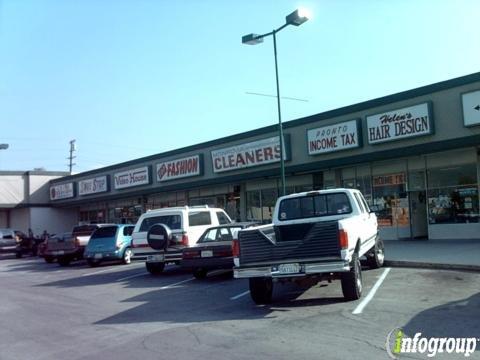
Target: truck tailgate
(299, 241)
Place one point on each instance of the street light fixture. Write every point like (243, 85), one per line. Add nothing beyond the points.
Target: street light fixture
(296, 18)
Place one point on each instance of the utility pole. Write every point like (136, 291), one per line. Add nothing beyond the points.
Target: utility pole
(71, 157)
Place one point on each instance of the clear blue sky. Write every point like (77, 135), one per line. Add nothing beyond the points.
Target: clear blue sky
(132, 78)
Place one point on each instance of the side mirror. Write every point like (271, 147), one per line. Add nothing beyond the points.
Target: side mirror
(159, 236)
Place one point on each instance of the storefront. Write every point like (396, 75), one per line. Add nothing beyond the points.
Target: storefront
(414, 156)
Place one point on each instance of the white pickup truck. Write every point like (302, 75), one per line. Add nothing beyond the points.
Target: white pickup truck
(319, 235)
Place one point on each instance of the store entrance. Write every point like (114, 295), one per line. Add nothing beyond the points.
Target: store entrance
(418, 211)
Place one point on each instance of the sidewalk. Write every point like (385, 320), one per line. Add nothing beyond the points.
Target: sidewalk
(439, 254)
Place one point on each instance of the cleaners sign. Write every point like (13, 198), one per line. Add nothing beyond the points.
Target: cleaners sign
(242, 156)
(336, 137)
(180, 168)
(130, 178)
(63, 191)
(400, 124)
(93, 186)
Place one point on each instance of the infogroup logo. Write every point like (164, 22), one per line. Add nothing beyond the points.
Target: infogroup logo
(399, 343)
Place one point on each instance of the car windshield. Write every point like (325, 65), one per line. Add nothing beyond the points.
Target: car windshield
(314, 206)
(105, 232)
(174, 222)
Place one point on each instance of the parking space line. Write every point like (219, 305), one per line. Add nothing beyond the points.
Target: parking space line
(371, 294)
(240, 295)
(133, 276)
(98, 272)
(175, 284)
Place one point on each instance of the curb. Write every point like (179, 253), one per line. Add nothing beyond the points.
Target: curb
(427, 265)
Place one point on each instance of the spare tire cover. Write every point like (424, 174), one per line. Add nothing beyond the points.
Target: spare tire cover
(158, 236)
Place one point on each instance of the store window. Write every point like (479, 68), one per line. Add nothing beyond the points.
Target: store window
(390, 200)
(453, 194)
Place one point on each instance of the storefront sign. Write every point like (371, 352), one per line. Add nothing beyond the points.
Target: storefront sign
(400, 124)
(242, 156)
(130, 178)
(179, 168)
(93, 186)
(336, 137)
(471, 108)
(387, 180)
(63, 191)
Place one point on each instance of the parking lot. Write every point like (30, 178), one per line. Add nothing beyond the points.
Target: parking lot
(122, 312)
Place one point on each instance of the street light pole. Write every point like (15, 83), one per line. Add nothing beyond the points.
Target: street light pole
(280, 127)
(295, 18)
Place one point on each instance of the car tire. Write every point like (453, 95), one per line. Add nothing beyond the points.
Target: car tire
(352, 283)
(93, 263)
(200, 273)
(261, 290)
(49, 259)
(64, 261)
(18, 254)
(155, 268)
(376, 258)
(127, 256)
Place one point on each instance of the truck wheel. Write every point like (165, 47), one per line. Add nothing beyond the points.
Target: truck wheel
(352, 281)
(200, 273)
(376, 258)
(64, 261)
(261, 290)
(155, 268)
(49, 259)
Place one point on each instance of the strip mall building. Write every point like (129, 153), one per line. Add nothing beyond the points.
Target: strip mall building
(414, 155)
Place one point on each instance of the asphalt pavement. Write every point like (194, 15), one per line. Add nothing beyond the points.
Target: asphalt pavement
(122, 312)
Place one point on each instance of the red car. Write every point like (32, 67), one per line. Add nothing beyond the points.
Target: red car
(213, 250)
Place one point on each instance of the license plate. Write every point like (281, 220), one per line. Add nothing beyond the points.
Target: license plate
(98, 256)
(289, 268)
(206, 253)
(60, 252)
(154, 258)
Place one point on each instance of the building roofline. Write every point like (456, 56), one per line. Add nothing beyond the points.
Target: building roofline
(34, 172)
(385, 100)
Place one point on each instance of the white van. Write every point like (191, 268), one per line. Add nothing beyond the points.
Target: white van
(186, 223)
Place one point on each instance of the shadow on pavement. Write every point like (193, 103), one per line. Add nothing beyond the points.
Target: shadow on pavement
(455, 319)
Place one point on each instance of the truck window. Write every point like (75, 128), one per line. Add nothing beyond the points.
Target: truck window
(222, 218)
(174, 222)
(199, 218)
(314, 206)
(360, 203)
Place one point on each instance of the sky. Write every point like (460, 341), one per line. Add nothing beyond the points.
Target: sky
(133, 78)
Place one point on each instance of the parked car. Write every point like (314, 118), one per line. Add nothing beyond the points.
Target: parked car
(46, 249)
(68, 249)
(110, 243)
(9, 239)
(319, 235)
(184, 226)
(213, 250)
